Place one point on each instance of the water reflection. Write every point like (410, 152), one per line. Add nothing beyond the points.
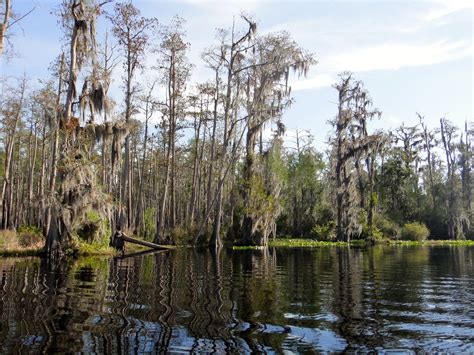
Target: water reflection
(335, 299)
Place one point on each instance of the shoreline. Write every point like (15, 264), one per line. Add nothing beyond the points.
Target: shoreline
(278, 243)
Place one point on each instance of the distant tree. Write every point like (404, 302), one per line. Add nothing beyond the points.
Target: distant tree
(351, 143)
(303, 191)
(466, 162)
(458, 223)
(132, 32)
(12, 110)
(175, 69)
(429, 142)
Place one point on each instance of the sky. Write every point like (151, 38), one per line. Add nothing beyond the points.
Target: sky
(413, 56)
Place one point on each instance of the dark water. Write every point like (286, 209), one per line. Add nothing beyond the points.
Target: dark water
(296, 300)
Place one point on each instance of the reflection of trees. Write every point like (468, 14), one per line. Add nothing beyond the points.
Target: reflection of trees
(43, 305)
(458, 263)
(228, 301)
(363, 279)
(347, 295)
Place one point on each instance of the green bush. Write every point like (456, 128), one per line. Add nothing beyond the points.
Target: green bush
(180, 236)
(415, 231)
(325, 232)
(150, 224)
(387, 227)
(29, 236)
(377, 234)
(94, 228)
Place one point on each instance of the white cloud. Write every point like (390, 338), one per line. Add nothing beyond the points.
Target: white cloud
(448, 8)
(316, 82)
(399, 55)
(221, 13)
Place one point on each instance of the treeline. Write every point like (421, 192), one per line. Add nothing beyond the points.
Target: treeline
(77, 165)
(411, 182)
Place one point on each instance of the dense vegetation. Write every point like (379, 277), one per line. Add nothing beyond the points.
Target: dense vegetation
(75, 164)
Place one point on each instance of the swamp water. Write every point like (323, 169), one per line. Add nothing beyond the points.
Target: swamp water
(297, 300)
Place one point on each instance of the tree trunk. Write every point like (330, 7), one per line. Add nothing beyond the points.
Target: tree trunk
(4, 25)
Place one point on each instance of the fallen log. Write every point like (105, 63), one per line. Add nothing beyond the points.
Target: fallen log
(141, 253)
(144, 243)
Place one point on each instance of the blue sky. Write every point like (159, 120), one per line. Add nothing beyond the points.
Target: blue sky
(412, 56)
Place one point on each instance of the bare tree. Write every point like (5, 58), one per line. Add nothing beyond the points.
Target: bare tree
(4, 23)
(12, 113)
(131, 30)
(176, 70)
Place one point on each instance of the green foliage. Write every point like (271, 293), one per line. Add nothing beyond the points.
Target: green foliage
(246, 247)
(415, 231)
(298, 243)
(150, 224)
(377, 234)
(181, 236)
(94, 229)
(387, 227)
(324, 214)
(276, 163)
(94, 248)
(29, 236)
(433, 242)
(397, 192)
(303, 194)
(16, 244)
(325, 232)
(29, 229)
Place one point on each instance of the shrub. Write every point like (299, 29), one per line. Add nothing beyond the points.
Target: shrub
(325, 232)
(180, 236)
(29, 236)
(8, 239)
(415, 231)
(150, 224)
(387, 227)
(26, 237)
(94, 228)
(377, 234)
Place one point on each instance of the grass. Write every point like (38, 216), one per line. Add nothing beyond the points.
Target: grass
(90, 249)
(29, 242)
(246, 247)
(432, 242)
(310, 243)
(11, 244)
(301, 243)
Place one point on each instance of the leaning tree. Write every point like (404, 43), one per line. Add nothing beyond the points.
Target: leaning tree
(80, 211)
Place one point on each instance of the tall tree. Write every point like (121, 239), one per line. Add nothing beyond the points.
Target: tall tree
(268, 95)
(77, 190)
(131, 30)
(12, 114)
(176, 70)
(5, 7)
(351, 142)
(466, 162)
(458, 223)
